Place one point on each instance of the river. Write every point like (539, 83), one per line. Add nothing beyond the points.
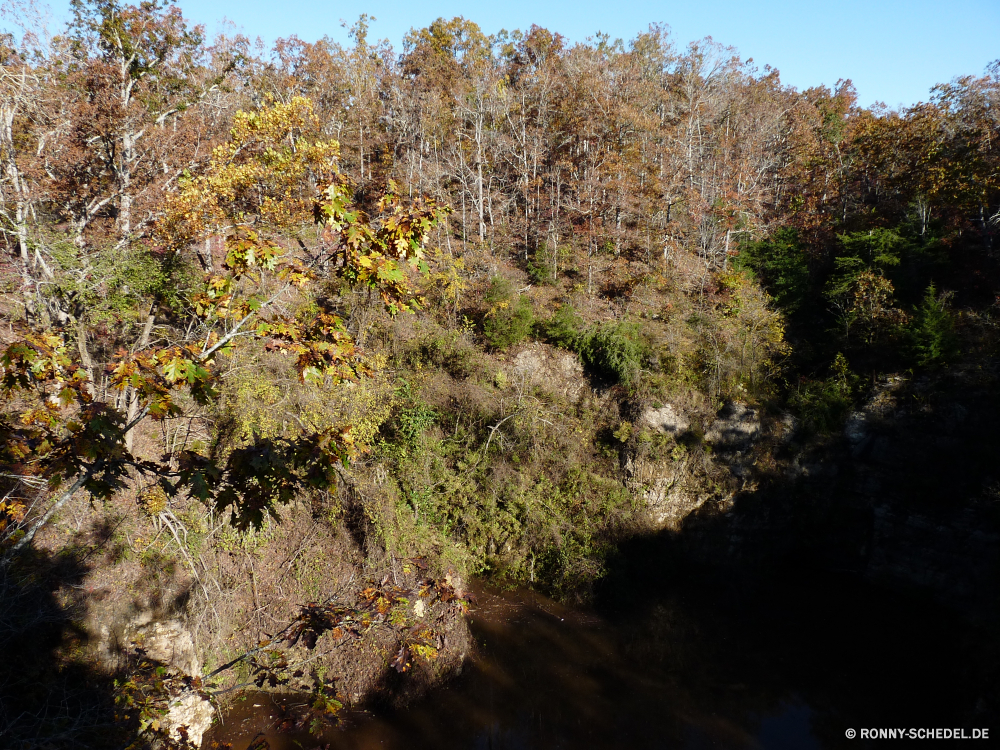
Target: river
(677, 658)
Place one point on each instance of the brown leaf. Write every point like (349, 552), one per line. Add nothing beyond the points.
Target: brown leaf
(402, 660)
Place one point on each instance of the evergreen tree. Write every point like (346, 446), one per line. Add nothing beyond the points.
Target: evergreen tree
(932, 334)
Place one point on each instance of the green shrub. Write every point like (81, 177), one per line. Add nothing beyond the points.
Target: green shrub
(117, 284)
(449, 351)
(614, 351)
(823, 405)
(564, 329)
(412, 417)
(542, 266)
(611, 350)
(412, 421)
(509, 317)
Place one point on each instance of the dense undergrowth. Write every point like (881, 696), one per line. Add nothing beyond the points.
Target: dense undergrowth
(247, 366)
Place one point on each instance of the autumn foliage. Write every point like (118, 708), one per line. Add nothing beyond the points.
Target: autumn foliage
(290, 283)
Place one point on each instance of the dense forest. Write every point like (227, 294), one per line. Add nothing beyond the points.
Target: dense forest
(336, 324)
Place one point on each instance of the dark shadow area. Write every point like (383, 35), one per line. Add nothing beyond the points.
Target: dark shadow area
(852, 653)
(861, 583)
(680, 657)
(58, 686)
(49, 696)
(908, 497)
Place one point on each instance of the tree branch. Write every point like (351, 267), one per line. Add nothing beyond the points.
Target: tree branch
(66, 495)
(236, 331)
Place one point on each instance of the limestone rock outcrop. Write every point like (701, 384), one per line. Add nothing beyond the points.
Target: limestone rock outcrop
(169, 643)
(736, 427)
(666, 419)
(550, 368)
(189, 713)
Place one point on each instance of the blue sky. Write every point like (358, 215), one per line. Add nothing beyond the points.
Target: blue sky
(893, 50)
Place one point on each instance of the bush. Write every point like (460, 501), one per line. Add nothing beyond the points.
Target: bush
(412, 418)
(823, 405)
(509, 317)
(564, 329)
(542, 266)
(446, 350)
(613, 350)
(741, 344)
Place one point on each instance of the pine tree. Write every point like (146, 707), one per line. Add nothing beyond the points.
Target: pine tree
(932, 334)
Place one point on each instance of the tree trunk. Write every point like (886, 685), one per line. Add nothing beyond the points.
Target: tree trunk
(133, 397)
(14, 175)
(479, 178)
(125, 185)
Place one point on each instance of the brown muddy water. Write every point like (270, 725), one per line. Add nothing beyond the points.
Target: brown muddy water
(708, 663)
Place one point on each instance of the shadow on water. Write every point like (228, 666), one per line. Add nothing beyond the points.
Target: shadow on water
(796, 654)
(674, 656)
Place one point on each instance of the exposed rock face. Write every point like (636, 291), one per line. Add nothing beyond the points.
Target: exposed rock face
(670, 490)
(669, 503)
(955, 555)
(860, 425)
(169, 643)
(190, 714)
(550, 368)
(666, 419)
(736, 427)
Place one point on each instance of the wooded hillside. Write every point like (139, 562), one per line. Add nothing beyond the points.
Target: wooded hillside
(426, 298)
